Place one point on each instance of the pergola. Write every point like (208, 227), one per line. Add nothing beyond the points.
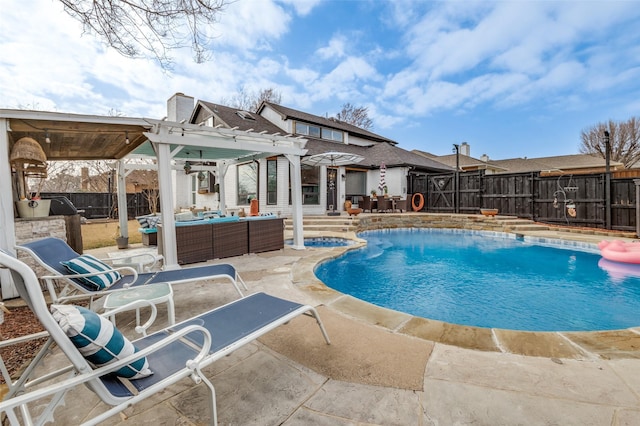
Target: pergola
(90, 137)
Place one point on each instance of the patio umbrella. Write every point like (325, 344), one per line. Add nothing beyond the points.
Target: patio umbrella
(383, 182)
(332, 159)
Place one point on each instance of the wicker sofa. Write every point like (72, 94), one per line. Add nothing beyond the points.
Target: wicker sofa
(202, 240)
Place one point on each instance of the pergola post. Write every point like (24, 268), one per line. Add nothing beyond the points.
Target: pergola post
(123, 215)
(296, 201)
(222, 193)
(8, 223)
(169, 250)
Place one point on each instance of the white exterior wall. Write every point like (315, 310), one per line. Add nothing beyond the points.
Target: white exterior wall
(276, 119)
(354, 140)
(396, 181)
(181, 190)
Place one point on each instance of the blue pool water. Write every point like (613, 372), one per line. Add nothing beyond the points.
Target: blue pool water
(487, 280)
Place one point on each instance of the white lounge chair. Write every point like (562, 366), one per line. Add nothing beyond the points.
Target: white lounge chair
(176, 352)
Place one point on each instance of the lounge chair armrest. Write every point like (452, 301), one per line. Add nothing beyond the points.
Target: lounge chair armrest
(137, 304)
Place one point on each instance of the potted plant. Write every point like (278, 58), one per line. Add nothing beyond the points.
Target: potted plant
(374, 193)
(386, 191)
(121, 241)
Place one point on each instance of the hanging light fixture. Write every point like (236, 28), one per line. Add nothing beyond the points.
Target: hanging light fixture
(126, 140)
(46, 136)
(187, 167)
(201, 176)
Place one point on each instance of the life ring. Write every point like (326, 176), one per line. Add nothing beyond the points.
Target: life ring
(420, 205)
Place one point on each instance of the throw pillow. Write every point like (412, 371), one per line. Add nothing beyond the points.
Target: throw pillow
(88, 264)
(142, 220)
(98, 340)
(152, 221)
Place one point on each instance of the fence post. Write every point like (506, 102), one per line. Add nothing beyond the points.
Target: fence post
(637, 183)
(607, 182)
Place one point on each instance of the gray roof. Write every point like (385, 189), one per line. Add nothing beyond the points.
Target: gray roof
(290, 113)
(382, 152)
(521, 165)
(557, 163)
(232, 119)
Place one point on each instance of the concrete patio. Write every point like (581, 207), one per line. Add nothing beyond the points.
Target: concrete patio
(385, 367)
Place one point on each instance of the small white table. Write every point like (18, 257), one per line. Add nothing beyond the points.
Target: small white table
(140, 259)
(153, 293)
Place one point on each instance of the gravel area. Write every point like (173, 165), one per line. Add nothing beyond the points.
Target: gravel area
(19, 322)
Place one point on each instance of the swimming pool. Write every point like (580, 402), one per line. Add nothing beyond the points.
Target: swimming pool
(486, 280)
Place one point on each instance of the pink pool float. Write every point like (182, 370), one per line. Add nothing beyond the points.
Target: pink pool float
(620, 251)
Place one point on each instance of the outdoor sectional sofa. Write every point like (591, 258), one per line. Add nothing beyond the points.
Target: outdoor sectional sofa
(217, 238)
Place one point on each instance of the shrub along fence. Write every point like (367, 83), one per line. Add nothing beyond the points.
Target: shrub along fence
(574, 200)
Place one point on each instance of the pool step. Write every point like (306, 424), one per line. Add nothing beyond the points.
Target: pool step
(341, 223)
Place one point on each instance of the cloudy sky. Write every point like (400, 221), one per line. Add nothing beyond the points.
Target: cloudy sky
(511, 78)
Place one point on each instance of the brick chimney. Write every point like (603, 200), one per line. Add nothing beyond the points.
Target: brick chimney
(179, 107)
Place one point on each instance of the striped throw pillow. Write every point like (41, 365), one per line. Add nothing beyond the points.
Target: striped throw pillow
(98, 340)
(87, 264)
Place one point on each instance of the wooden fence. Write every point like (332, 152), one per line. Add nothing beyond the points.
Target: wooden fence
(103, 204)
(574, 200)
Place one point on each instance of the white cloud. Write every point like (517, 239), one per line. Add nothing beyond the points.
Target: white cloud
(302, 7)
(335, 48)
(345, 77)
(250, 25)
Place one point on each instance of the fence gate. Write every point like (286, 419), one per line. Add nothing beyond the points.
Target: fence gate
(441, 193)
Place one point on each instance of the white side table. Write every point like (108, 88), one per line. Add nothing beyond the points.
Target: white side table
(153, 293)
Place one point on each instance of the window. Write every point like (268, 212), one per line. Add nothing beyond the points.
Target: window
(317, 132)
(332, 135)
(246, 115)
(272, 181)
(307, 129)
(247, 182)
(310, 184)
(194, 189)
(356, 183)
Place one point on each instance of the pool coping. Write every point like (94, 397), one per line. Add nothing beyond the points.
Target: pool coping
(611, 344)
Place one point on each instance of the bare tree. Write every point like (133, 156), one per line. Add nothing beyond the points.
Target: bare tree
(62, 176)
(138, 28)
(624, 140)
(356, 116)
(250, 101)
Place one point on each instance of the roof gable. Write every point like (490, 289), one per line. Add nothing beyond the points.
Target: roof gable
(293, 114)
(233, 117)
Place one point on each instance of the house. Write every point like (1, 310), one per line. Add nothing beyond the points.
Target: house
(268, 179)
(562, 164)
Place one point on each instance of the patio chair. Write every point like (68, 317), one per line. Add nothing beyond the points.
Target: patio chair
(366, 204)
(97, 281)
(384, 204)
(124, 377)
